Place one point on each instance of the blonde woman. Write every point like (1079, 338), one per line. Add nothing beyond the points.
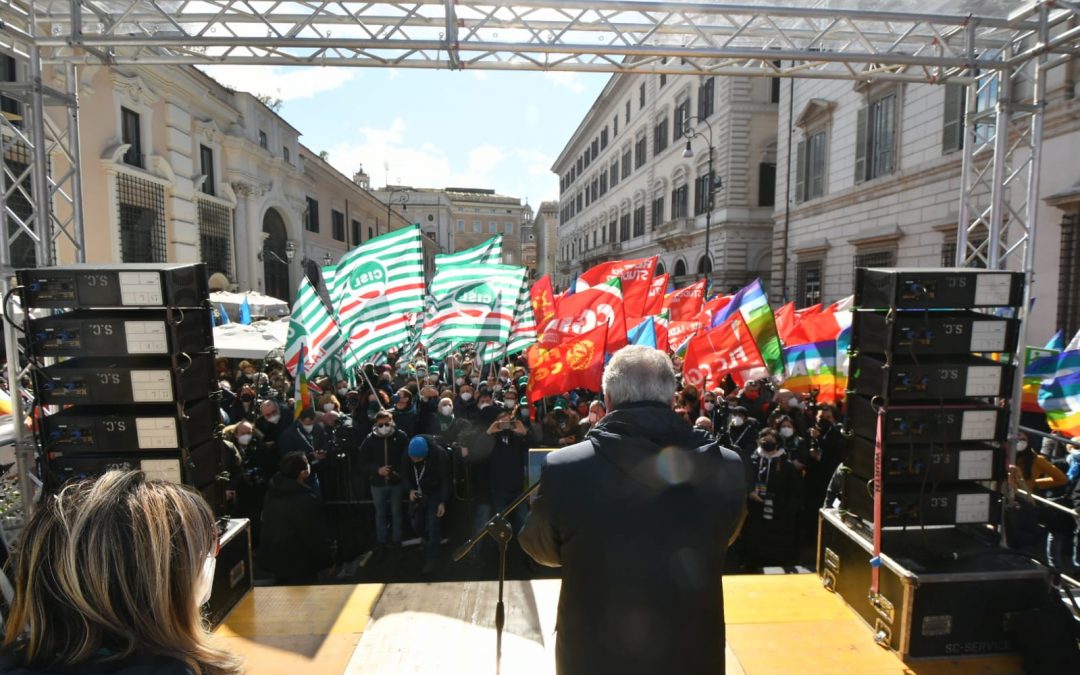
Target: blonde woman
(110, 576)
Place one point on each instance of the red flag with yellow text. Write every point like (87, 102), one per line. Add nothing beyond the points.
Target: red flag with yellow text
(577, 363)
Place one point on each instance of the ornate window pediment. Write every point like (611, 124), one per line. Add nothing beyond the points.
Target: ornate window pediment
(815, 111)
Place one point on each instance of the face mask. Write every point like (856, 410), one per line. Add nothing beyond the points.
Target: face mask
(459, 381)
(594, 418)
(273, 419)
(446, 410)
(787, 432)
(342, 392)
(793, 402)
(496, 390)
(421, 373)
(243, 439)
(1021, 446)
(466, 396)
(768, 446)
(752, 394)
(327, 407)
(737, 421)
(709, 405)
(308, 427)
(509, 403)
(524, 414)
(384, 429)
(205, 584)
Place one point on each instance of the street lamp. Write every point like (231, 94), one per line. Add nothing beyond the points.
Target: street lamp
(290, 252)
(327, 260)
(403, 198)
(713, 183)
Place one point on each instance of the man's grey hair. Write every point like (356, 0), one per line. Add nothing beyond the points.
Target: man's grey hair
(638, 373)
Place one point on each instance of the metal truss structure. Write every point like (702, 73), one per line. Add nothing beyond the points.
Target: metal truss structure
(1000, 49)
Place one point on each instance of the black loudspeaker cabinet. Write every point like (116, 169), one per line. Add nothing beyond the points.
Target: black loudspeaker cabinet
(129, 285)
(936, 288)
(143, 332)
(943, 592)
(921, 505)
(946, 424)
(933, 333)
(198, 466)
(128, 428)
(910, 463)
(929, 378)
(233, 574)
(124, 381)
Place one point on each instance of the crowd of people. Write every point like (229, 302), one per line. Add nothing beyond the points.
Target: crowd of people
(437, 448)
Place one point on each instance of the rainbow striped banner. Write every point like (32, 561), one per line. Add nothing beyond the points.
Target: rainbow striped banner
(1059, 395)
(752, 305)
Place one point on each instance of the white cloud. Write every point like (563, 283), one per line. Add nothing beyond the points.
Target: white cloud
(280, 82)
(568, 79)
(484, 158)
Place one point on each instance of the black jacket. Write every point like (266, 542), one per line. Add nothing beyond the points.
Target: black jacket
(432, 475)
(377, 452)
(295, 540)
(640, 520)
(294, 439)
(135, 665)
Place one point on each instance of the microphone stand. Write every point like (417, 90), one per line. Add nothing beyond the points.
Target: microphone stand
(499, 529)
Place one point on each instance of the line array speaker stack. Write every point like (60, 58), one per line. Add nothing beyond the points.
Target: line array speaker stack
(933, 353)
(126, 364)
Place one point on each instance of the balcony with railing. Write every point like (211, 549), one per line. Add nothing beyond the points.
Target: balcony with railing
(675, 233)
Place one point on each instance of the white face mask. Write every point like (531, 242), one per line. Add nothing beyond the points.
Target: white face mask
(273, 419)
(342, 392)
(308, 427)
(205, 584)
(459, 381)
(1021, 446)
(384, 430)
(244, 439)
(509, 403)
(327, 407)
(787, 432)
(793, 402)
(737, 421)
(466, 396)
(446, 409)
(709, 405)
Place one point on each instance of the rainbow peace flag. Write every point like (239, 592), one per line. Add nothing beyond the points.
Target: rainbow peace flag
(815, 357)
(752, 305)
(1059, 395)
(301, 393)
(1040, 365)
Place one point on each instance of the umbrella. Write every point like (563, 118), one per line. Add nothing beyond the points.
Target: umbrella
(261, 305)
(253, 341)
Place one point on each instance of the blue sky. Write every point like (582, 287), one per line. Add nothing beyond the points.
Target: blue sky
(432, 128)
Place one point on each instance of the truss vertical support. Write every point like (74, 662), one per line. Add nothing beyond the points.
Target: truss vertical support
(1002, 115)
(39, 163)
(74, 156)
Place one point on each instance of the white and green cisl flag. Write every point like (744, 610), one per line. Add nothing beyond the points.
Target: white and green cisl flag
(487, 253)
(474, 303)
(310, 319)
(377, 287)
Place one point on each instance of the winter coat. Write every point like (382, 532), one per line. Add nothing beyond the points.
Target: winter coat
(640, 520)
(295, 540)
(432, 476)
(294, 439)
(377, 452)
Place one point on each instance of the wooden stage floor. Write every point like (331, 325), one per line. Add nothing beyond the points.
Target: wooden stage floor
(775, 624)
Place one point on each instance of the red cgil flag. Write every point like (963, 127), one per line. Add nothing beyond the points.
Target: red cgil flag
(581, 312)
(654, 304)
(685, 303)
(577, 363)
(636, 277)
(543, 301)
(728, 348)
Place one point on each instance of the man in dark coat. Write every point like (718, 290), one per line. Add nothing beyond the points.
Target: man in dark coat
(640, 520)
(295, 543)
(309, 438)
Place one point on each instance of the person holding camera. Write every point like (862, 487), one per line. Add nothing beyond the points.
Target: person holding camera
(427, 478)
(498, 464)
(296, 543)
(757, 397)
(382, 454)
(775, 499)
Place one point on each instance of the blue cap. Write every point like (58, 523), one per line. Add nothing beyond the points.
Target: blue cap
(418, 447)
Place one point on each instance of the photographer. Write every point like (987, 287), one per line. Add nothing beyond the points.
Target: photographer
(381, 456)
(498, 464)
(775, 498)
(825, 453)
(427, 478)
(271, 424)
(258, 465)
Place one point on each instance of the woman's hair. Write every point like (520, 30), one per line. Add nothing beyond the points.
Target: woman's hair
(293, 464)
(113, 564)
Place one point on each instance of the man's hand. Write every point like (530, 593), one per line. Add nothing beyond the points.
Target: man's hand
(230, 495)
(814, 432)
(413, 495)
(320, 454)
(464, 453)
(756, 497)
(440, 510)
(384, 471)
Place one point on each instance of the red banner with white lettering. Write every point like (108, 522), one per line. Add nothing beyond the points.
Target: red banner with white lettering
(636, 276)
(685, 303)
(585, 310)
(728, 348)
(654, 304)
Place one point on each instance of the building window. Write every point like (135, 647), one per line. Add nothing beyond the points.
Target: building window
(580, 165)
(878, 258)
(808, 280)
(628, 111)
(626, 163)
(701, 194)
(614, 173)
(493, 227)
(141, 205)
(641, 98)
(640, 149)
(706, 102)
(875, 138)
(206, 162)
(595, 188)
(660, 137)
(624, 227)
(611, 229)
(682, 114)
(215, 237)
(952, 130)
(311, 216)
(680, 268)
(603, 182)
(9, 72)
(337, 225)
(810, 168)
(478, 227)
(595, 148)
(639, 221)
(657, 212)
(286, 155)
(774, 88)
(356, 231)
(663, 80)
(370, 233)
(680, 198)
(704, 265)
(615, 126)
(263, 141)
(766, 186)
(586, 159)
(131, 134)
(1068, 309)
(461, 226)
(579, 202)
(603, 138)
(509, 228)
